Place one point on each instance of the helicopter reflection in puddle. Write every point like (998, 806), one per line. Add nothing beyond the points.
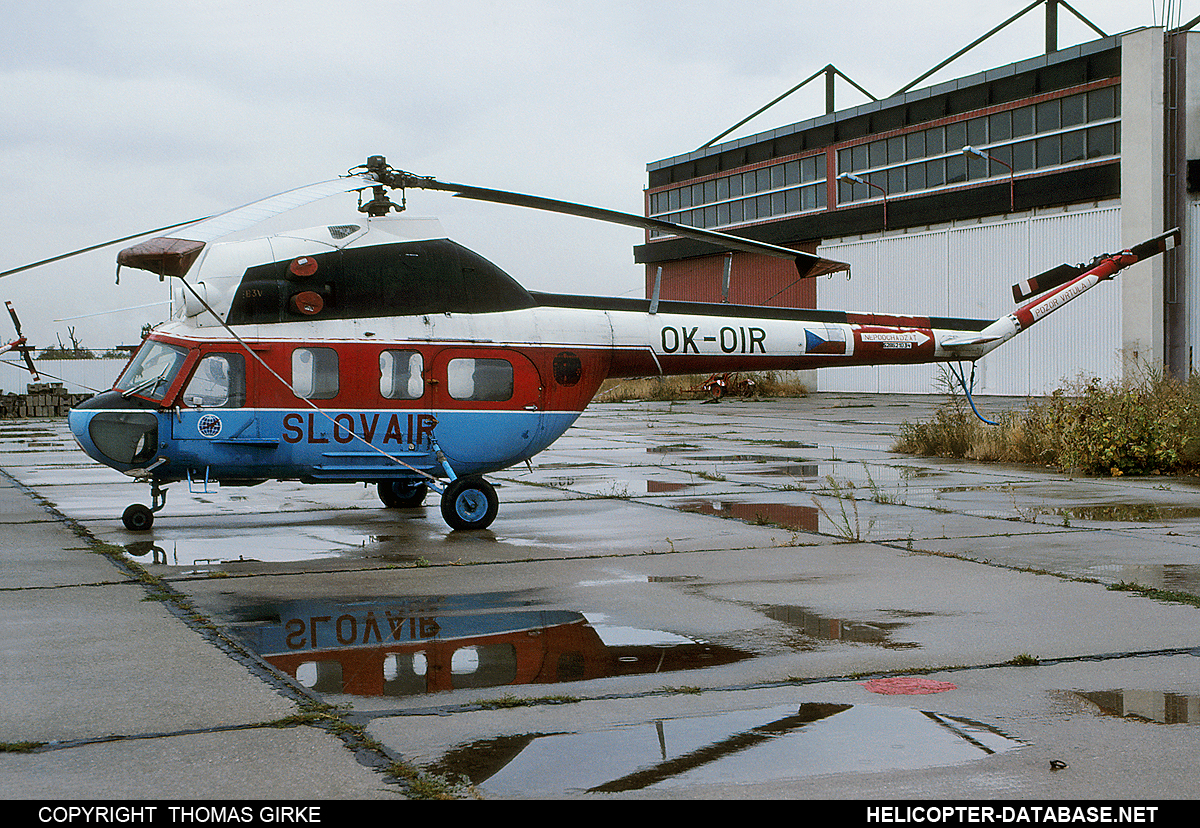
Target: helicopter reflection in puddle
(404, 647)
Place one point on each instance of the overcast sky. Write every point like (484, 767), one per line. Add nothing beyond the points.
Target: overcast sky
(128, 115)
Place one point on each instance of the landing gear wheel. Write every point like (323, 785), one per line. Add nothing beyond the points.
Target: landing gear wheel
(402, 494)
(470, 503)
(138, 518)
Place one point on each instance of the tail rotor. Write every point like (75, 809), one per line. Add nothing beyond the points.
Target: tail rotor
(20, 345)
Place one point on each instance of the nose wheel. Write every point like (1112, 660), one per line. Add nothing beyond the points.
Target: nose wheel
(469, 503)
(139, 518)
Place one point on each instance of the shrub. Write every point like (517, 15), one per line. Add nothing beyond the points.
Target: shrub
(1147, 425)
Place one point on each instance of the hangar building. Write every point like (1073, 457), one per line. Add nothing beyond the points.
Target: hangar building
(1090, 149)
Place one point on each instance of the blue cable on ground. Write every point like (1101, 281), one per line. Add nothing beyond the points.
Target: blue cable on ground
(960, 375)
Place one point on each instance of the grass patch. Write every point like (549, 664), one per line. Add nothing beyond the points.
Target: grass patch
(20, 747)
(1158, 594)
(665, 389)
(508, 701)
(1146, 425)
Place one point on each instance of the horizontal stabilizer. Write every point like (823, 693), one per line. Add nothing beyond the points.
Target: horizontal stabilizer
(967, 341)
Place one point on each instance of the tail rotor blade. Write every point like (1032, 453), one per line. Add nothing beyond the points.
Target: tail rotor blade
(21, 345)
(1064, 273)
(1048, 280)
(13, 313)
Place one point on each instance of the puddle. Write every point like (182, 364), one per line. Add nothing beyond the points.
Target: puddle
(1148, 705)
(672, 448)
(745, 746)
(1127, 512)
(786, 515)
(1169, 577)
(807, 471)
(826, 628)
(309, 544)
(411, 646)
(621, 487)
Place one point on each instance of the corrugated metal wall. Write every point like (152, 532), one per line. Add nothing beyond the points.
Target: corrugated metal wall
(967, 271)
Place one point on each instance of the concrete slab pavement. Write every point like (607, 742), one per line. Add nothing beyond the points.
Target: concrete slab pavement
(781, 540)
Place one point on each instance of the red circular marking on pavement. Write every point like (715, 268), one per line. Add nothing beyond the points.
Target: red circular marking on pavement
(907, 686)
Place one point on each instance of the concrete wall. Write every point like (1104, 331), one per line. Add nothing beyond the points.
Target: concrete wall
(77, 375)
(1142, 332)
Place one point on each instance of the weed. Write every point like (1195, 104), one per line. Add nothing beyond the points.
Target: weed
(1025, 660)
(879, 495)
(616, 491)
(425, 785)
(1028, 514)
(845, 526)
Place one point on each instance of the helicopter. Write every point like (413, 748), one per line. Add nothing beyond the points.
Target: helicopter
(379, 351)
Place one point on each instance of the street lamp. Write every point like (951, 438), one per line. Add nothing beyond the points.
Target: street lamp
(1011, 175)
(852, 177)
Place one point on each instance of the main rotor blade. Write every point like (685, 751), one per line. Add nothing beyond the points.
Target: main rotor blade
(99, 246)
(807, 264)
(248, 215)
(210, 228)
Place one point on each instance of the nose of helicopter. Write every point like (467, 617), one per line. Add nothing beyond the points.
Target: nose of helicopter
(117, 431)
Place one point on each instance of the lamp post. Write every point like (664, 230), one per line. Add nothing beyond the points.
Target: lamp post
(1011, 175)
(857, 180)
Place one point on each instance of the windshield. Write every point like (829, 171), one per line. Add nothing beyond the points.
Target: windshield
(152, 370)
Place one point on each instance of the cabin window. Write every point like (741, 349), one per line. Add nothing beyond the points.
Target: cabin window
(404, 674)
(219, 382)
(400, 375)
(483, 665)
(315, 373)
(322, 676)
(483, 380)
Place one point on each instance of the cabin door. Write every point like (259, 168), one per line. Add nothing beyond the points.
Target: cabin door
(211, 423)
(488, 404)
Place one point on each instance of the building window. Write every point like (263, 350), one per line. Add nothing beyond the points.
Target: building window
(315, 373)
(789, 188)
(1074, 129)
(1056, 133)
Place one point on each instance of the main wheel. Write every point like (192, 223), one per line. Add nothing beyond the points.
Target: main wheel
(402, 494)
(470, 503)
(138, 518)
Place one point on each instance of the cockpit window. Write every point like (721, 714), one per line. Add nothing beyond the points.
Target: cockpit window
(219, 382)
(152, 371)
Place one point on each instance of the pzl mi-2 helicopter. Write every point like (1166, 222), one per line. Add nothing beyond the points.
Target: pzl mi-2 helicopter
(379, 351)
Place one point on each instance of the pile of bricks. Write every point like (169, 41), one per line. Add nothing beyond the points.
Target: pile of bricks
(41, 400)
